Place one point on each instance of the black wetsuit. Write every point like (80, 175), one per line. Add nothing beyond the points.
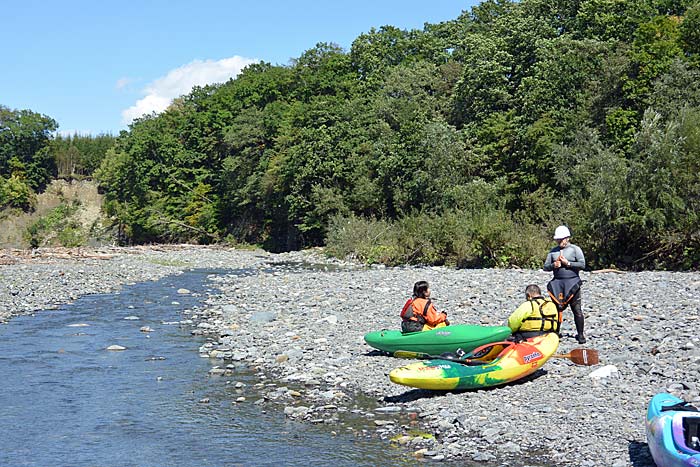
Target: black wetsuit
(565, 287)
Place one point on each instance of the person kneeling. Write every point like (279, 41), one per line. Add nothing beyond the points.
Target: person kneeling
(534, 317)
(419, 312)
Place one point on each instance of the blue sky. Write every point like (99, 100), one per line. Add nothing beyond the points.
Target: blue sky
(94, 65)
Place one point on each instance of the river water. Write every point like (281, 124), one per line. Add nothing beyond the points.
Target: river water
(67, 401)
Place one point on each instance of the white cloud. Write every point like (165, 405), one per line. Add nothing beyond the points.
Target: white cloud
(160, 93)
(122, 83)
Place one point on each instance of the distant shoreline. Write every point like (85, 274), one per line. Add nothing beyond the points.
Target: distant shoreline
(35, 279)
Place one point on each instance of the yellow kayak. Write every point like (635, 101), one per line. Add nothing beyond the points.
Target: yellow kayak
(489, 365)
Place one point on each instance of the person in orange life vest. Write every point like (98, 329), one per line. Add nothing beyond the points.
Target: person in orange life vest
(535, 316)
(419, 312)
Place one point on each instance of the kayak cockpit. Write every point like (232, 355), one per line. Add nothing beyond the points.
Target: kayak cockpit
(686, 431)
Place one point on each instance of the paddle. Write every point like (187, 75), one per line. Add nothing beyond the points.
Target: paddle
(586, 357)
(409, 354)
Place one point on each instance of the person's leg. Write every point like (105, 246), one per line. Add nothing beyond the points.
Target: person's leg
(576, 308)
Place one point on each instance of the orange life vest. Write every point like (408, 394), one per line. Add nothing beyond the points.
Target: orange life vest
(423, 311)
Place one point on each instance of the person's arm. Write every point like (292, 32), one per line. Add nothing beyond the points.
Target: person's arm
(433, 317)
(515, 320)
(549, 262)
(572, 258)
(579, 262)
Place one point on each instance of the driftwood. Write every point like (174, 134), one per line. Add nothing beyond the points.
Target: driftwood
(47, 255)
(601, 271)
(163, 221)
(17, 256)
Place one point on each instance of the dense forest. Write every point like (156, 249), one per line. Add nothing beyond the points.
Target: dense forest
(464, 143)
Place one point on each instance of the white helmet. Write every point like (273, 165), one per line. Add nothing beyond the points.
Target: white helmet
(561, 232)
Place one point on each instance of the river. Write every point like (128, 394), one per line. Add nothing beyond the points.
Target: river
(67, 401)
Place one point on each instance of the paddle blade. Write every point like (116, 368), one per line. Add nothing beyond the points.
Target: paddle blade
(409, 354)
(586, 357)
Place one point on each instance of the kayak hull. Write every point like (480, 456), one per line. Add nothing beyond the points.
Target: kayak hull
(667, 433)
(436, 341)
(502, 363)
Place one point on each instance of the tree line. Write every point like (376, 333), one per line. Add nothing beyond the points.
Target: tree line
(463, 143)
(31, 155)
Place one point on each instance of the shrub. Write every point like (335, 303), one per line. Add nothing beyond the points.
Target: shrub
(489, 238)
(57, 226)
(15, 193)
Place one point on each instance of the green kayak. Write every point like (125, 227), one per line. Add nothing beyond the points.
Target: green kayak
(437, 341)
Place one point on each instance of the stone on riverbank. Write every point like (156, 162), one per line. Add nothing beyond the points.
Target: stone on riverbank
(116, 348)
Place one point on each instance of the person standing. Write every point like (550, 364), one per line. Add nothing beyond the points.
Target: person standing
(565, 261)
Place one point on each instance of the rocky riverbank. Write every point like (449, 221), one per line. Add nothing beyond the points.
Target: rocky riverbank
(299, 320)
(32, 280)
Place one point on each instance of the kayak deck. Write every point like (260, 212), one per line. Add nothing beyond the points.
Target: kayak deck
(436, 341)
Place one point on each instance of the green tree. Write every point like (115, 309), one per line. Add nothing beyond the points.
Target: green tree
(690, 33)
(24, 137)
(612, 20)
(655, 47)
(677, 88)
(15, 193)
(484, 87)
(376, 51)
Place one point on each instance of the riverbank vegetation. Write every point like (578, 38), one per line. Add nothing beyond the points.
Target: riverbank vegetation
(464, 143)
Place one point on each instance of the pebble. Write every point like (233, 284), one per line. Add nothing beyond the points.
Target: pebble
(116, 347)
(388, 409)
